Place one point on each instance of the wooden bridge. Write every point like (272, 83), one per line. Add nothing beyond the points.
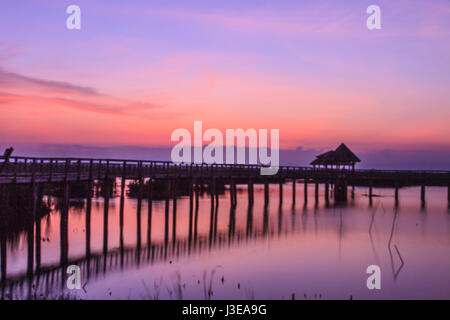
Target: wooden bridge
(34, 171)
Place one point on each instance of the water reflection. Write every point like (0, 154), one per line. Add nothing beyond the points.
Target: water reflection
(277, 246)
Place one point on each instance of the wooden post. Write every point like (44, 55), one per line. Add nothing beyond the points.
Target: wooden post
(266, 192)
(3, 257)
(370, 192)
(250, 191)
(353, 191)
(305, 191)
(138, 213)
(150, 213)
(396, 195)
(30, 256)
(293, 191)
(327, 192)
(191, 207)
(166, 215)
(280, 203)
(448, 195)
(196, 190)
(316, 192)
(174, 211)
(422, 194)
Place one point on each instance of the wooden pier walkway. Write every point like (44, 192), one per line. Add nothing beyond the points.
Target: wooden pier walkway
(31, 170)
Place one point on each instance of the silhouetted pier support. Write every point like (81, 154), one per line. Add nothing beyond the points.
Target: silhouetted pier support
(281, 194)
(448, 195)
(422, 195)
(266, 192)
(166, 216)
(340, 193)
(327, 192)
(3, 256)
(353, 191)
(396, 195)
(305, 190)
(316, 192)
(370, 192)
(150, 212)
(191, 208)
(294, 183)
(250, 192)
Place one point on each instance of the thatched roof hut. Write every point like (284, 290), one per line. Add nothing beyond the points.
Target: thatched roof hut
(342, 157)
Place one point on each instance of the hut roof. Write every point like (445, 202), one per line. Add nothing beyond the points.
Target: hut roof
(339, 156)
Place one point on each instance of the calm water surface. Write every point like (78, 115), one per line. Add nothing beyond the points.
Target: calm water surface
(311, 251)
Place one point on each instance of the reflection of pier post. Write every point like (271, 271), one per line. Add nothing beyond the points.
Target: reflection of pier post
(30, 255)
(280, 220)
(166, 215)
(150, 212)
(138, 214)
(249, 221)
(212, 189)
(232, 223)
(3, 259)
(64, 225)
(174, 211)
(191, 208)
(265, 220)
(196, 190)
(121, 211)
(38, 245)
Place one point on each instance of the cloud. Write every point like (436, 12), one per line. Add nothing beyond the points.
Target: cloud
(14, 79)
(24, 90)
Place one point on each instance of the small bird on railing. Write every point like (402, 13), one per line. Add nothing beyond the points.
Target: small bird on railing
(5, 157)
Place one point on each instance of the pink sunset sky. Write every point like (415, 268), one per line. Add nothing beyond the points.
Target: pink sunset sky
(137, 70)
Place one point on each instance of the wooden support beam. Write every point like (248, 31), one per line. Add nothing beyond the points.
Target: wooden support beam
(294, 182)
(316, 192)
(280, 202)
(422, 194)
(305, 190)
(266, 192)
(396, 195)
(149, 213)
(174, 210)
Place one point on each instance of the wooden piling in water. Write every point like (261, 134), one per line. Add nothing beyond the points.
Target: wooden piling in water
(396, 195)
(266, 192)
(448, 195)
(327, 192)
(149, 212)
(280, 202)
(174, 210)
(305, 190)
(191, 207)
(250, 192)
(316, 192)
(422, 194)
(293, 191)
